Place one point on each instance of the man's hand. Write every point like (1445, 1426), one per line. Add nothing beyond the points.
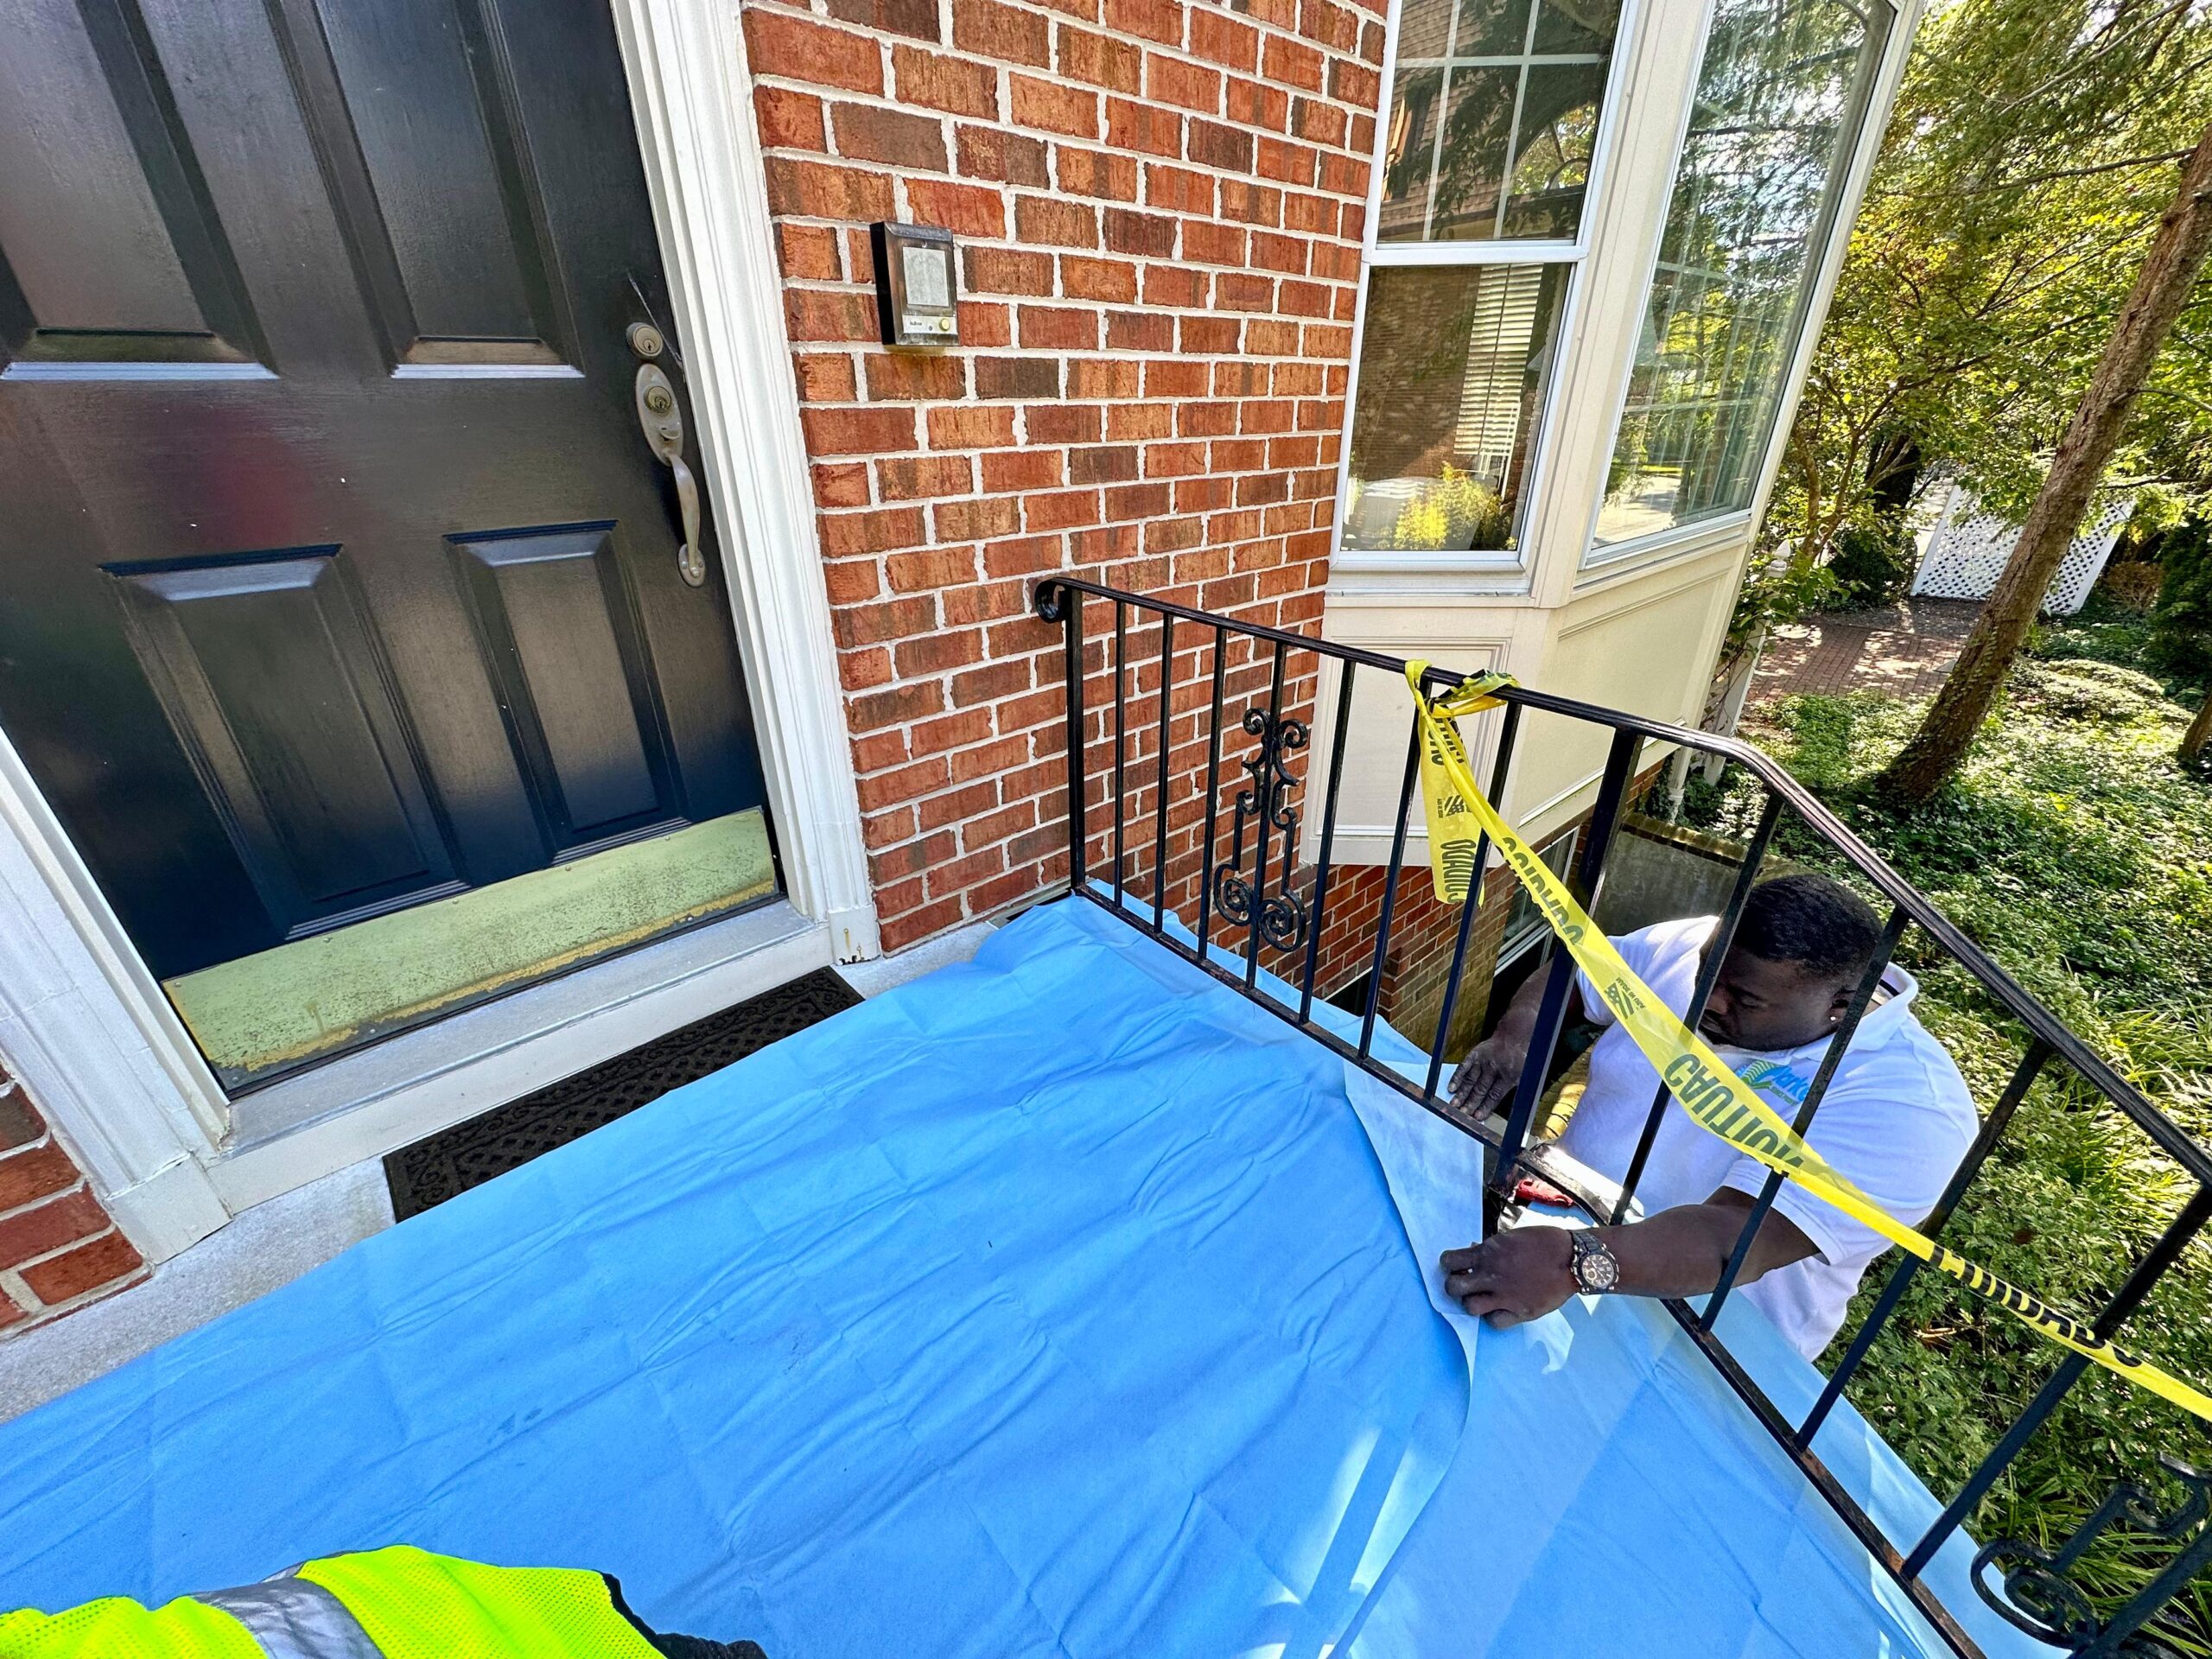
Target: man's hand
(1488, 1074)
(1513, 1277)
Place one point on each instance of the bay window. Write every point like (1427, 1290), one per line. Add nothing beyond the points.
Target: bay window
(1780, 99)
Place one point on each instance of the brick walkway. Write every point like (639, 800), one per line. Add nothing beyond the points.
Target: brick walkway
(1904, 649)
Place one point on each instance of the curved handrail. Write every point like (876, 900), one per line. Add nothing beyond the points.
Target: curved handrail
(2039, 1020)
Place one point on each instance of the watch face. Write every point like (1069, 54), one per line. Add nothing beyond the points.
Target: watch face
(1595, 1269)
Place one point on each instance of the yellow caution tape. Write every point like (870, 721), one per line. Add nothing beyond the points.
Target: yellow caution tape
(1715, 1098)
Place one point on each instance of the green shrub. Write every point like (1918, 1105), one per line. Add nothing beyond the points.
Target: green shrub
(2087, 689)
(2181, 627)
(2077, 853)
(1870, 568)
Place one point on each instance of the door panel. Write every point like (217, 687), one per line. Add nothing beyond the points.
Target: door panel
(351, 280)
(554, 613)
(111, 246)
(325, 803)
(443, 213)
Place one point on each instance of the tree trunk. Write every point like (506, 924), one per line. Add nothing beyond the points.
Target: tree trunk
(2200, 730)
(2176, 254)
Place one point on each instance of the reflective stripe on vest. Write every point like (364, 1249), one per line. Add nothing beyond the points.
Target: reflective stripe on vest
(293, 1618)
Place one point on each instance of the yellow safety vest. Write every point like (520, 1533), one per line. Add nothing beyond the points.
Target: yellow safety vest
(399, 1603)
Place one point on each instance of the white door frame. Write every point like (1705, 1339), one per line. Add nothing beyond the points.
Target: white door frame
(83, 1022)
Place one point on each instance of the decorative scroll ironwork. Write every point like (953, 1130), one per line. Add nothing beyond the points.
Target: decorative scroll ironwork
(1266, 802)
(2041, 1597)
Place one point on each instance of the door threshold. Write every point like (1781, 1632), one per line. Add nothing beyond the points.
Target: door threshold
(383, 1097)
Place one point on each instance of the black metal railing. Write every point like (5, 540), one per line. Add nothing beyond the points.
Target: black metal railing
(1271, 910)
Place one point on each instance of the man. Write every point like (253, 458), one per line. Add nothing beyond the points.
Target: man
(1896, 1120)
(397, 1602)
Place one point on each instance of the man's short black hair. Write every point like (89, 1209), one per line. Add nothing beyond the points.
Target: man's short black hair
(1814, 921)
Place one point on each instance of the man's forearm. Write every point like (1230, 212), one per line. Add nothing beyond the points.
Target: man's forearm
(1526, 1272)
(1682, 1251)
(1516, 1027)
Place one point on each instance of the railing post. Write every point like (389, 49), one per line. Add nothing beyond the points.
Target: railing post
(1551, 1013)
(1724, 935)
(1390, 890)
(1120, 746)
(1900, 1281)
(1263, 789)
(1508, 731)
(1328, 842)
(1166, 744)
(1071, 599)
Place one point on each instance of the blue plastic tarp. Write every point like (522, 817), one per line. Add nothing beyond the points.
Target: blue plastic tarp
(1053, 1304)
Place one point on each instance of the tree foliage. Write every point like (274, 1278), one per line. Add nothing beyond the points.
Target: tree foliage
(2181, 627)
(2034, 146)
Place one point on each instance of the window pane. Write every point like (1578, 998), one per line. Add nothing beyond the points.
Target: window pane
(1577, 25)
(1514, 86)
(1409, 152)
(1451, 370)
(1491, 28)
(1471, 168)
(1552, 148)
(1778, 104)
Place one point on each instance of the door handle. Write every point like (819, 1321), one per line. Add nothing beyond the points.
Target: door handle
(661, 418)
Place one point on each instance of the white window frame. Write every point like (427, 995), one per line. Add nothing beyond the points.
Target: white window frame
(1598, 561)
(1509, 568)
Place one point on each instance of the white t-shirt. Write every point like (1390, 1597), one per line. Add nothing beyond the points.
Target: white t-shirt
(1896, 1119)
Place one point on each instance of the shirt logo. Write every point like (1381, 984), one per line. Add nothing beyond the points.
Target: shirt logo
(1772, 1076)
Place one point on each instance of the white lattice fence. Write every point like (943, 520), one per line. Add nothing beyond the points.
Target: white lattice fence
(1967, 549)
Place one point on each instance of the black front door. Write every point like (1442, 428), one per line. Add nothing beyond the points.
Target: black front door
(338, 575)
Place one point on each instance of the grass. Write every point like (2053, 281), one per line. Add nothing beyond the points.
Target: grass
(2076, 851)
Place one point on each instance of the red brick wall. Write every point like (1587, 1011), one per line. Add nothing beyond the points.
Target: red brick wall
(1418, 961)
(1160, 206)
(58, 1249)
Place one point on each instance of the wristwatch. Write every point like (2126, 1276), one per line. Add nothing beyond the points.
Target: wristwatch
(1596, 1269)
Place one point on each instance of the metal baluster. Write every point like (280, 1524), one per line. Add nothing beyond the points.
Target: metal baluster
(1328, 840)
(1861, 1000)
(1551, 1013)
(2147, 1273)
(1213, 795)
(2113, 1644)
(1507, 731)
(1159, 806)
(1072, 599)
(1390, 890)
(1900, 1280)
(1120, 652)
(1724, 935)
(1264, 785)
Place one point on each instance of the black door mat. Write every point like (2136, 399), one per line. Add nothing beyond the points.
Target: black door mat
(444, 1165)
